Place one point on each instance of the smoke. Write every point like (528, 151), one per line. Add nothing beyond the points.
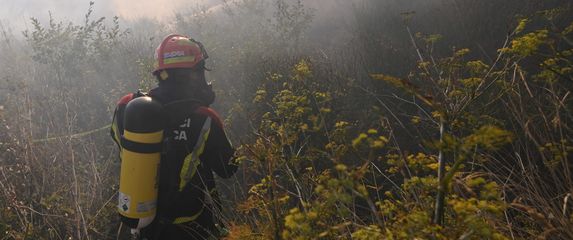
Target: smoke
(154, 9)
(16, 14)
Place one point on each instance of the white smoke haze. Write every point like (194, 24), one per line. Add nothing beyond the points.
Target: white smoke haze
(155, 9)
(16, 15)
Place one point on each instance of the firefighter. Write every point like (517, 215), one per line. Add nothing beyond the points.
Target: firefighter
(194, 145)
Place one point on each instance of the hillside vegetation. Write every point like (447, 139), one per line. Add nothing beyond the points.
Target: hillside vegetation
(417, 120)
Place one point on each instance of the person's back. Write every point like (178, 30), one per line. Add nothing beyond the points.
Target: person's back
(194, 143)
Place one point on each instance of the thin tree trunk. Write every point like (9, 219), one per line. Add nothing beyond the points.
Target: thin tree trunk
(440, 198)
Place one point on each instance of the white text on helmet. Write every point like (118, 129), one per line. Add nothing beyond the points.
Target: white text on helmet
(173, 54)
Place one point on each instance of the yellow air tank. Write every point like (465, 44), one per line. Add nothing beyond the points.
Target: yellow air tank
(140, 154)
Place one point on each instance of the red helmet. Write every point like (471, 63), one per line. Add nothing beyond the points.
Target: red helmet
(178, 51)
